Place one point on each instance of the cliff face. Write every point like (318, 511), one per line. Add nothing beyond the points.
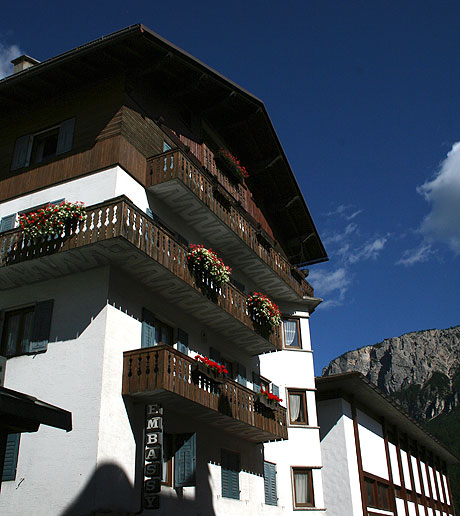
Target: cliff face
(420, 369)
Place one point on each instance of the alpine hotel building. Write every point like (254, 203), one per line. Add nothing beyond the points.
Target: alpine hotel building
(105, 318)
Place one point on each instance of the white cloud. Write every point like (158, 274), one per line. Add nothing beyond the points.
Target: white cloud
(419, 254)
(347, 212)
(442, 224)
(371, 250)
(333, 284)
(7, 53)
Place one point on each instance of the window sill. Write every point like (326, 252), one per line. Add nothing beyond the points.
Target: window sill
(290, 425)
(297, 349)
(309, 509)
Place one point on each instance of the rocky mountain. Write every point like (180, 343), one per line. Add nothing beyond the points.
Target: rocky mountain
(420, 369)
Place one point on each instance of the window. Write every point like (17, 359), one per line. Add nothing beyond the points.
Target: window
(302, 480)
(377, 494)
(271, 497)
(38, 147)
(26, 330)
(292, 333)
(297, 407)
(230, 466)
(154, 332)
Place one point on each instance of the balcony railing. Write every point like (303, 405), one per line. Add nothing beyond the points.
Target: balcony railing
(121, 218)
(175, 165)
(163, 371)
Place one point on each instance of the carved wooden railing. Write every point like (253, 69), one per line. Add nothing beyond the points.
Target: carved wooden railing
(121, 218)
(175, 165)
(164, 368)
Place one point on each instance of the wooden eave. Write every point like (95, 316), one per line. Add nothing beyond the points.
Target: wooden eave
(138, 54)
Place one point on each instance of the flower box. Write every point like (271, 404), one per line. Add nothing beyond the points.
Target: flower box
(231, 165)
(207, 266)
(268, 399)
(52, 220)
(210, 369)
(264, 312)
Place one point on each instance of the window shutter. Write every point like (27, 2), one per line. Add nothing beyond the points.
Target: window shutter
(21, 152)
(214, 354)
(242, 375)
(255, 382)
(270, 483)
(41, 326)
(65, 138)
(148, 329)
(11, 457)
(7, 223)
(185, 461)
(230, 475)
(275, 389)
(166, 147)
(182, 341)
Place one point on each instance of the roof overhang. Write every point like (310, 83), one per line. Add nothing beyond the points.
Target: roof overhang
(357, 387)
(23, 413)
(140, 55)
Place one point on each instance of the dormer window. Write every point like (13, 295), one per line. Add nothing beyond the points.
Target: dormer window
(43, 145)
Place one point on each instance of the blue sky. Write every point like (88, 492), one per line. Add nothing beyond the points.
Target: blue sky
(365, 97)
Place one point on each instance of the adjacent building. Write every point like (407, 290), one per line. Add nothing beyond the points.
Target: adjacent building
(377, 460)
(106, 316)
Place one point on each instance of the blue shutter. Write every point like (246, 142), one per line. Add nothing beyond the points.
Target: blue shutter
(255, 382)
(275, 389)
(242, 375)
(41, 326)
(11, 457)
(166, 147)
(65, 137)
(148, 329)
(21, 154)
(230, 467)
(185, 460)
(182, 341)
(7, 223)
(271, 497)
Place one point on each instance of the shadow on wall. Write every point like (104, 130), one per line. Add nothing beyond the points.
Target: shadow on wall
(109, 492)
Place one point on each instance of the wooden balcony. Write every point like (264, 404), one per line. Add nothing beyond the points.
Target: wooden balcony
(199, 198)
(164, 375)
(116, 232)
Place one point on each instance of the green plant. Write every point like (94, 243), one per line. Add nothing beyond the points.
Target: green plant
(232, 163)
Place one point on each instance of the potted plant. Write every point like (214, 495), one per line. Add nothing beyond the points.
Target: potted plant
(207, 367)
(206, 265)
(265, 313)
(52, 219)
(230, 164)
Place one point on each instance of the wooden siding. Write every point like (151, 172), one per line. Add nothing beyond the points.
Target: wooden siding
(121, 218)
(174, 165)
(234, 406)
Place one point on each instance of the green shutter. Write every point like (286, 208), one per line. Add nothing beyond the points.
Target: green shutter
(230, 467)
(41, 326)
(255, 382)
(271, 497)
(148, 329)
(242, 375)
(7, 223)
(65, 137)
(182, 341)
(11, 457)
(185, 460)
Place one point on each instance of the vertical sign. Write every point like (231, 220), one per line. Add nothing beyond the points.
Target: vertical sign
(153, 456)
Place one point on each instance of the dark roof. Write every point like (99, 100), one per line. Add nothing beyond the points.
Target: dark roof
(23, 413)
(369, 396)
(241, 118)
